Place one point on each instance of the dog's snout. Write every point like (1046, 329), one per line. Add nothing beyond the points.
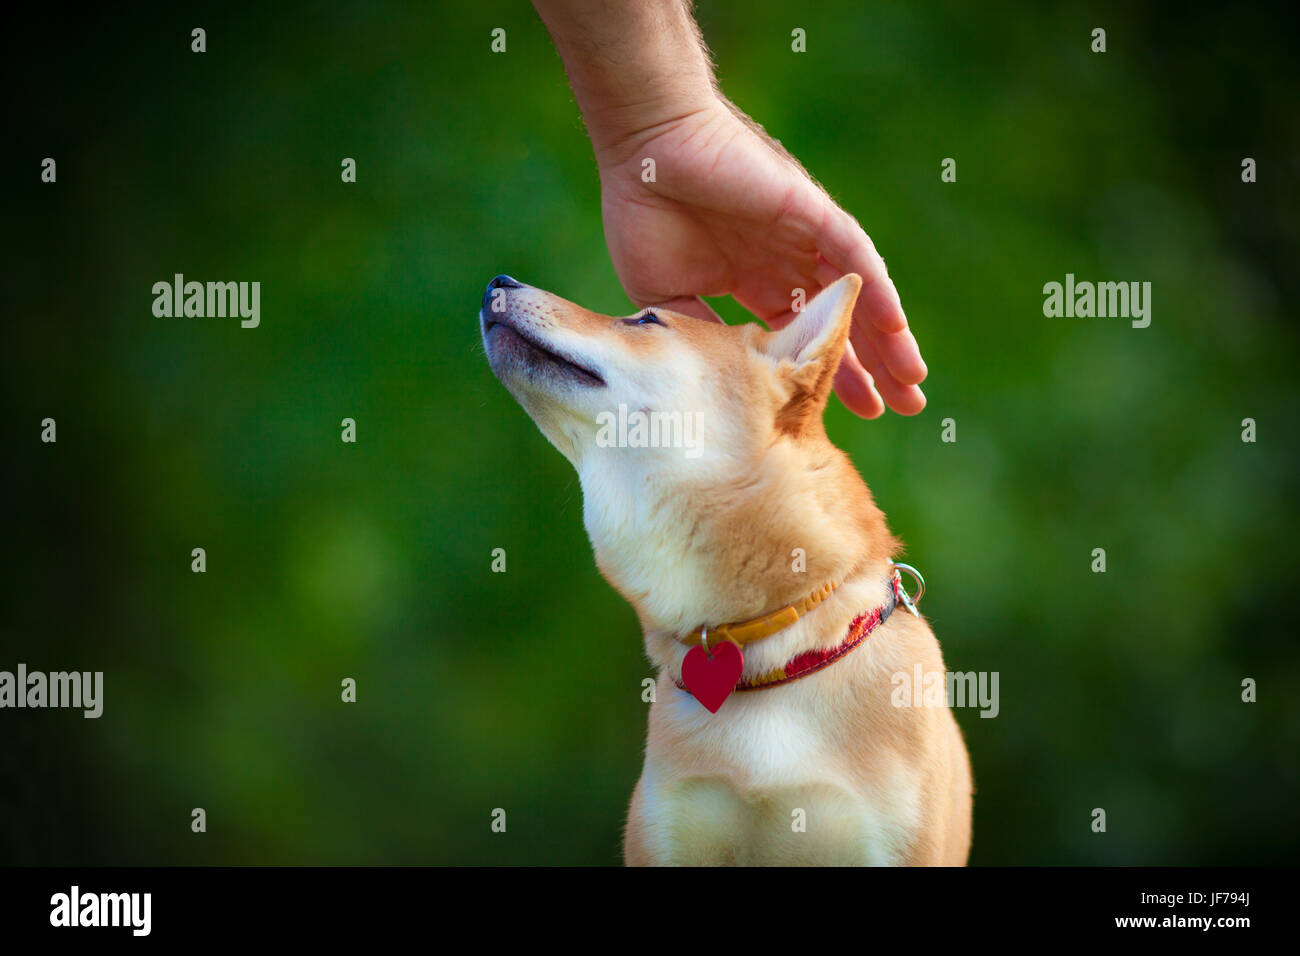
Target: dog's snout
(500, 282)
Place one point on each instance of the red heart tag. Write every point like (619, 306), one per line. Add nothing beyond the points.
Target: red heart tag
(712, 678)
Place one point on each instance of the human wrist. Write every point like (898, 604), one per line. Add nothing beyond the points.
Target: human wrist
(618, 132)
(635, 67)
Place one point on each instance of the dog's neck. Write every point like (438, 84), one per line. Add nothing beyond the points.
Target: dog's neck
(714, 551)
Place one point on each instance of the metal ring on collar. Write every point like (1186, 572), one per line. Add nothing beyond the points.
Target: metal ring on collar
(916, 576)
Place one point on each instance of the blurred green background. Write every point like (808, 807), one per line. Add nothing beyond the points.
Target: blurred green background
(522, 690)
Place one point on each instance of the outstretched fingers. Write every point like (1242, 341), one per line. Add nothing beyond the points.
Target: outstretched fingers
(906, 399)
(849, 249)
(884, 344)
(854, 386)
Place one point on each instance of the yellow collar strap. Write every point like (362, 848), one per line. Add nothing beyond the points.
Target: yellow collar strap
(755, 629)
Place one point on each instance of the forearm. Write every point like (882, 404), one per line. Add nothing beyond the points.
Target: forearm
(633, 64)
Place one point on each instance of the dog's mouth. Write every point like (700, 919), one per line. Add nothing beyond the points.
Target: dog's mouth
(505, 337)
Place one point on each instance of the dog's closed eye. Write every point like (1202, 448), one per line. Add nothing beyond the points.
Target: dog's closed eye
(648, 319)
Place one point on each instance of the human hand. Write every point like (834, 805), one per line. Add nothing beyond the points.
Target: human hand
(729, 212)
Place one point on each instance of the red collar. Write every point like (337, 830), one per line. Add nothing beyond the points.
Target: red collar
(801, 665)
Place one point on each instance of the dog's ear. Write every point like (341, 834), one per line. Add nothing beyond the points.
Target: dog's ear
(808, 352)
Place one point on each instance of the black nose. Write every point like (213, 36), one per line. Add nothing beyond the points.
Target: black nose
(500, 282)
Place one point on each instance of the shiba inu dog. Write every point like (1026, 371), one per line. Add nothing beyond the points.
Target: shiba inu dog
(762, 574)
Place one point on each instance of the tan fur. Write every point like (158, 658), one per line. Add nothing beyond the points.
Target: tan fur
(710, 540)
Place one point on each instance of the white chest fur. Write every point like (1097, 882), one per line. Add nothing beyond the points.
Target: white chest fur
(769, 785)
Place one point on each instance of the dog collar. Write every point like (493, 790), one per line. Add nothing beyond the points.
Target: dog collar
(710, 679)
(741, 633)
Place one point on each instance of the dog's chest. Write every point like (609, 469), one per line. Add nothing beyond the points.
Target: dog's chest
(772, 789)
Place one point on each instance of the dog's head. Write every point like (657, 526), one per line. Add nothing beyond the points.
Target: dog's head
(691, 438)
(580, 375)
